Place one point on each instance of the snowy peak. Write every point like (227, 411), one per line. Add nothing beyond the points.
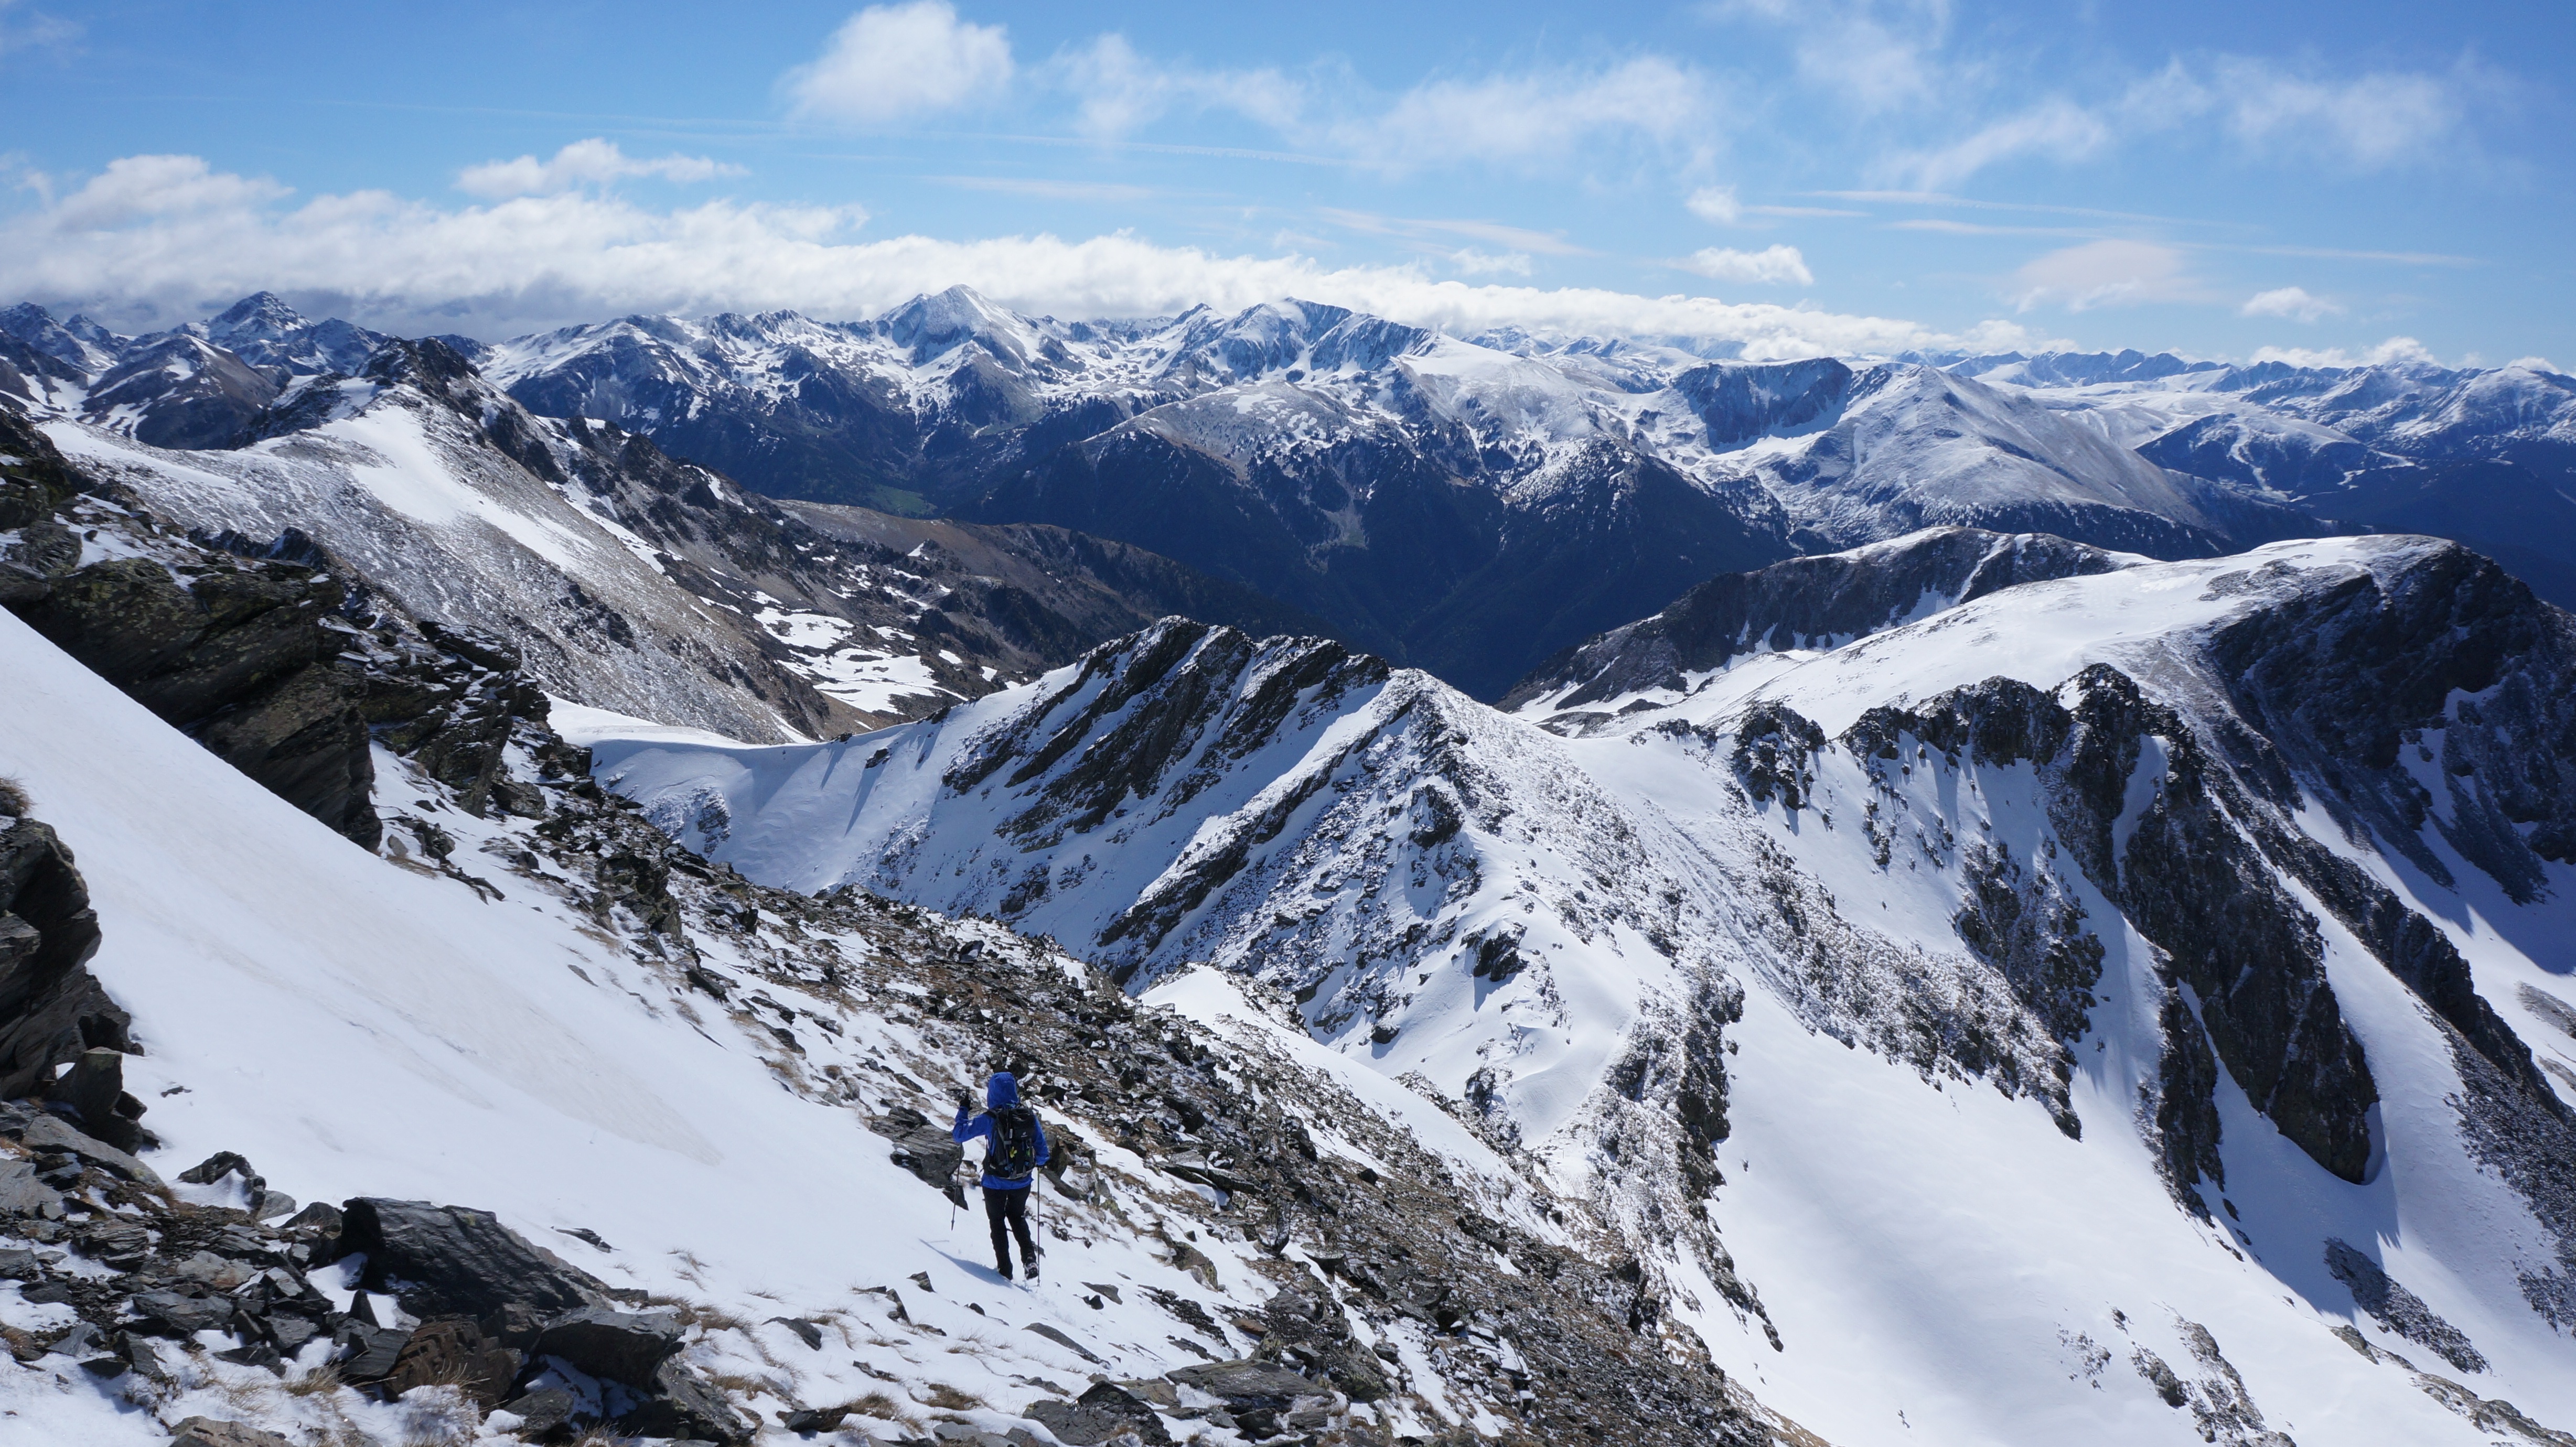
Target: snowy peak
(929, 327)
(79, 343)
(261, 316)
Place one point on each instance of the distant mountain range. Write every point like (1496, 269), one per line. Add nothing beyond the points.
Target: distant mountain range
(1466, 505)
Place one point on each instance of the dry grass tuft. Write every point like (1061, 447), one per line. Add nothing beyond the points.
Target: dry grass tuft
(881, 1407)
(940, 1394)
(319, 1382)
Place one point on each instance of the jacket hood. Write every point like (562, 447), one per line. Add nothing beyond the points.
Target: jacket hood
(1002, 1090)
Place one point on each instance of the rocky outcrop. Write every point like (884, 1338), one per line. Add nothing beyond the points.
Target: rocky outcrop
(2192, 879)
(52, 1010)
(450, 1259)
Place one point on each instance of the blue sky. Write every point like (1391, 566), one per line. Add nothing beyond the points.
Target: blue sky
(2235, 180)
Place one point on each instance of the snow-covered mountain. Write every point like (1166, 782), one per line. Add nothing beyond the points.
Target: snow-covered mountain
(628, 581)
(1466, 505)
(1418, 490)
(2483, 456)
(2241, 881)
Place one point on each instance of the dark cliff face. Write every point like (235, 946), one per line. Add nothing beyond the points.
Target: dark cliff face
(1815, 602)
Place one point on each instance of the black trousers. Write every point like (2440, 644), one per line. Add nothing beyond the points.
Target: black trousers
(1008, 1214)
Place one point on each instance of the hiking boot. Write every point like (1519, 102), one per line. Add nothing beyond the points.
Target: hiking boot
(1004, 1266)
(1032, 1272)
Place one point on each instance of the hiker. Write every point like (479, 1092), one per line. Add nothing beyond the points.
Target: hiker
(1017, 1146)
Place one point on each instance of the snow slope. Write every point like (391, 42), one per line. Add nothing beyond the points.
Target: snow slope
(1885, 875)
(358, 1024)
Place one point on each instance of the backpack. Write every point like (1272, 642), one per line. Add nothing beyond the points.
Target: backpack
(1014, 1155)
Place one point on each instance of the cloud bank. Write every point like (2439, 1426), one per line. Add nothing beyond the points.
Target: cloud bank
(156, 239)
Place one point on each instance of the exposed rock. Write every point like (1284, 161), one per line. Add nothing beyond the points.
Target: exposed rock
(206, 1432)
(1101, 1413)
(452, 1259)
(922, 1148)
(51, 1008)
(2398, 1310)
(452, 1351)
(542, 1413)
(682, 1404)
(48, 1132)
(604, 1342)
(95, 1090)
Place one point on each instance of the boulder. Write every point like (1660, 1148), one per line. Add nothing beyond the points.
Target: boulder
(52, 1133)
(453, 1260)
(183, 1316)
(620, 1346)
(206, 1432)
(368, 1353)
(320, 1216)
(542, 1413)
(21, 1194)
(814, 1419)
(1246, 1385)
(922, 1148)
(96, 1089)
(140, 1354)
(1080, 1426)
(806, 1331)
(685, 1406)
(453, 1351)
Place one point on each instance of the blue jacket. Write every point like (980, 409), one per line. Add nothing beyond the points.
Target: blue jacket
(1004, 1090)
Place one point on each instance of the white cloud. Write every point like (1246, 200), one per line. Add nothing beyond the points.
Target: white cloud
(2395, 349)
(2104, 273)
(891, 63)
(1512, 118)
(1771, 266)
(1536, 116)
(141, 188)
(2369, 121)
(1471, 262)
(181, 240)
(33, 29)
(593, 162)
(1878, 55)
(2293, 302)
(2056, 129)
(1118, 91)
(1715, 205)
